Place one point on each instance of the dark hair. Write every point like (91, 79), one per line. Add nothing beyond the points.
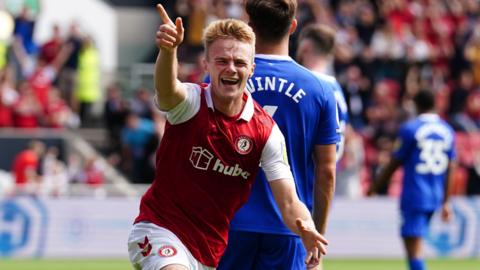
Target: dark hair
(271, 19)
(322, 37)
(424, 100)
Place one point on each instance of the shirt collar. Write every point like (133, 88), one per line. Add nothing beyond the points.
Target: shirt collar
(273, 57)
(248, 109)
(428, 116)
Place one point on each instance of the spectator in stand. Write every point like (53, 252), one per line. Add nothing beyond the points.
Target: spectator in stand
(458, 100)
(115, 113)
(142, 104)
(27, 110)
(472, 52)
(57, 112)
(135, 137)
(24, 25)
(8, 97)
(87, 89)
(93, 176)
(24, 30)
(473, 184)
(74, 168)
(54, 175)
(473, 107)
(52, 47)
(25, 168)
(68, 74)
(41, 75)
(7, 22)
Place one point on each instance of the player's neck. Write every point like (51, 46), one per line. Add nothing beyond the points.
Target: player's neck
(316, 64)
(278, 48)
(228, 107)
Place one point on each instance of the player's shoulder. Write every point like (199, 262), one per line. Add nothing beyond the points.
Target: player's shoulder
(294, 69)
(410, 125)
(326, 77)
(262, 120)
(261, 114)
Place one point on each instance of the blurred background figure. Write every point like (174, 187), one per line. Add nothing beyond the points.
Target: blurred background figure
(55, 175)
(26, 169)
(87, 88)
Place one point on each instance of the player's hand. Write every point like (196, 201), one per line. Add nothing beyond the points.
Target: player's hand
(169, 35)
(318, 266)
(313, 242)
(372, 191)
(446, 212)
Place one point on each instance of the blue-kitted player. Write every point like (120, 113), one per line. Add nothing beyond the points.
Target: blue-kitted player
(425, 149)
(304, 108)
(316, 44)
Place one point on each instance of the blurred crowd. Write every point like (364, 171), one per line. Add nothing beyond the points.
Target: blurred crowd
(51, 84)
(39, 170)
(386, 50)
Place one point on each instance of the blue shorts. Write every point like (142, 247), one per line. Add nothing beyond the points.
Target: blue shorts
(252, 250)
(415, 223)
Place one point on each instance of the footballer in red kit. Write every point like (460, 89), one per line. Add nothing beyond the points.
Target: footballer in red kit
(215, 141)
(207, 175)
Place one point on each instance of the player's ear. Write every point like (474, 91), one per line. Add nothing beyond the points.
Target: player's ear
(293, 26)
(204, 63)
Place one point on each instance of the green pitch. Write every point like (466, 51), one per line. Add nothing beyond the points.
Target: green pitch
(331, 264)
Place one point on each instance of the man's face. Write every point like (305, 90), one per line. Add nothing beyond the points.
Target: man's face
(230, 64)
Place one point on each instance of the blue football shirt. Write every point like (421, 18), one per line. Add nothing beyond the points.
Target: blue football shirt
(342, 110)
(304, 108)
(426, 144)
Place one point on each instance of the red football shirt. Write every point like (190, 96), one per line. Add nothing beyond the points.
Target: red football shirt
(24, 161)
(206, 164)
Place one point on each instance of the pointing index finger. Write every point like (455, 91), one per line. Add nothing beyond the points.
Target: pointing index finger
(163, 14)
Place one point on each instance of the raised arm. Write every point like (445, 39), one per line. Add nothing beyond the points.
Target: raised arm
(170, 91)
(324, 185)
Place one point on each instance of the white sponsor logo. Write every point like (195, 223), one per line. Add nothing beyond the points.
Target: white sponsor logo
(201, 159)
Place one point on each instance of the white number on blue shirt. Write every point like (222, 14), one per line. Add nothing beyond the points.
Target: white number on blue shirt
(432, 157)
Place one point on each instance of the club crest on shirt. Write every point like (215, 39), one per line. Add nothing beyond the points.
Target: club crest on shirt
(243, 145)
(167, 251)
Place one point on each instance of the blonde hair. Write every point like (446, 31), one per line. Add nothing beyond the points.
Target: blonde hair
(228, 29)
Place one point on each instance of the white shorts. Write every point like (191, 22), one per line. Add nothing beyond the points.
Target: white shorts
(151, 247)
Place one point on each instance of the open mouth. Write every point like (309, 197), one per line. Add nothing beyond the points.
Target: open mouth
(230, 81)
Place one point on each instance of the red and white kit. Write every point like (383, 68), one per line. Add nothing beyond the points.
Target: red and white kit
(203, 179)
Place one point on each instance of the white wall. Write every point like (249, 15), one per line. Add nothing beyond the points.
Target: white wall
(136, 33)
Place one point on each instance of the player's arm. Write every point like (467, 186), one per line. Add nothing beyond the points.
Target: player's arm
(324, 185)
(297, 218)
(324, 155)
(62, 57)
(446, 211)
(294, 213)
(382, 181)
(169, 90)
